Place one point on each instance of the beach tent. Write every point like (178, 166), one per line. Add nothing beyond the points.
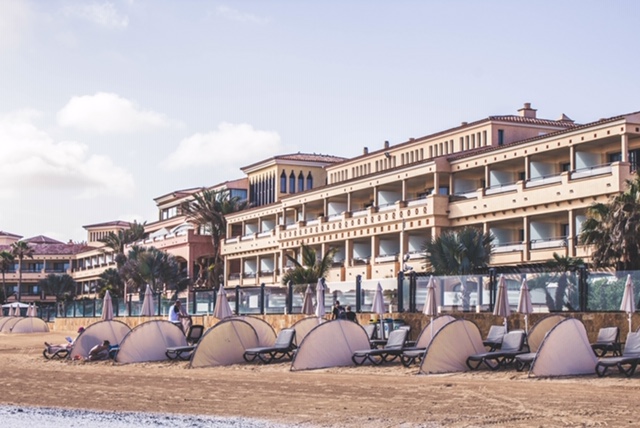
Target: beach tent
(565, 351)
(30, 325)
(5, 320)
(96, 333)
(451, 346)
(264, 330)
(427, 333)
(224, 344)
(7, 326)
(540, 329)
(330, 344)
(304, 326)
(149, 342)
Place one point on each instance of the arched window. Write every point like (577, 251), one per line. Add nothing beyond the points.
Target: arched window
(309, 181)
(292, 183)
(283, 182)
(300, 182)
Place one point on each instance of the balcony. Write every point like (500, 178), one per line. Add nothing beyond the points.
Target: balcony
(591, 171)
(501, 188)
(543, 180)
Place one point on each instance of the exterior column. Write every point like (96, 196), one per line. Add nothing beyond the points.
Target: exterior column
(527, 165)
(436, 183)
(304, 211)
(571, 239)
(276, 271)
(404, 190)
(451, 189)
(487, 177)
(348, 252)
(241, 271)
(349, 202)
(572, 158)
(375, 196)
(527, 245)
(375, 249)
(624, 147)
(257, 278)
(325, 206)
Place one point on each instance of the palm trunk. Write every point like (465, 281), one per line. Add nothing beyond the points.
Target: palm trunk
(20, 280)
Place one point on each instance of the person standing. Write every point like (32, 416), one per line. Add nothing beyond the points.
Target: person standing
(338, 311)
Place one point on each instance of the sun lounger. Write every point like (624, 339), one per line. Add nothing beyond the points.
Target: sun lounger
(184, 352)
(53, 352)
(283, 347)
(608, 341)
(494, 337)
(391, 350)
(523, 361)
(512, 345)
(627, 363)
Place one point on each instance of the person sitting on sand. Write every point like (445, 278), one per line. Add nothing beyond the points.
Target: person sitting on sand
(99, 352)
(351, 316)
(52, 349)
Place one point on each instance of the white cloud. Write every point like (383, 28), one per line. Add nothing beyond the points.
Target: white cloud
(236, 15)
(103, 14)
(15, 22)
(32, 162)
(230, 145)
(107, 112)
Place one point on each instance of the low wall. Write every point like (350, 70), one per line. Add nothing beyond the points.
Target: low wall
(593, 321)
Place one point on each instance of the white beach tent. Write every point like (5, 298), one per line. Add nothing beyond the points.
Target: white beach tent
(430, 330)
(540, 329)
(111, 330)
(565, 351)
(304, 326)
(330, 344)
(224, 344)
(264, 330)
(30, 325)
(149, 342)
(451, 346)
(5, 320)
(7, 326)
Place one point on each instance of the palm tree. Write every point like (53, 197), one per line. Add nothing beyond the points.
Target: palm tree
(310, 270)
(6, 263)
(110, 280)
(207, 210)
(63, 287)
(117, 241)
(612, 230)
(21, 249)
(461, 252)
(151, 266)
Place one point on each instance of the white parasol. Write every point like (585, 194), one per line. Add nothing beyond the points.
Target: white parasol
(524, 304)
(628, 304)
(307, 302)
(107, 307)
(378, 307)
(147, 303)
(320, 309)
(431, 305)
(222, 309)
(502, 308)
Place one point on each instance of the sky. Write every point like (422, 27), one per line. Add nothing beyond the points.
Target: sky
(106, 105)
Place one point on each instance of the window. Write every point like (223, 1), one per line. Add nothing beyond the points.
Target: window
(309, 181)
(292, 183)
(500, 137)
(283, 182)
(300, 182)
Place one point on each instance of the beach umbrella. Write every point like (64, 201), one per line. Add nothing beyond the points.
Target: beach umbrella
(307, 302)
(107, 307)
(29, 310)
(320, 310)
(222, 309)
(524, 304)
(147, 303)
(502, 308)
(378, 307)
(430, 305)
(628, 304)
(16, 310)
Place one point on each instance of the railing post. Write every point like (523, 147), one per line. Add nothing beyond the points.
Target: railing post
(158, 312)
(358, 293)
(94, 308)
(492, 288)
(289, 297)
(262, 295)
(237, 300)
(583, 288)
(324, 289)
(400, 291)
(413, 291)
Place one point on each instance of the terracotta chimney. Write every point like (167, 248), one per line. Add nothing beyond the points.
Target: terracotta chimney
(365, 151)
(386, 144)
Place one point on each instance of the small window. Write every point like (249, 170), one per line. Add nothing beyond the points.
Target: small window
(283, 182)
(300, 182)
(292, 183)
(309, 181)
(500, 137)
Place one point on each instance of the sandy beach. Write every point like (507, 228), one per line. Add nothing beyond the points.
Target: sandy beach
(386, 396)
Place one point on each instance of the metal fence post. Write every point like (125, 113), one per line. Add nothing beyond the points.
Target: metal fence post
(290, 297)
(492, 288)
(358, 293)
(262, 303)
(237, 300)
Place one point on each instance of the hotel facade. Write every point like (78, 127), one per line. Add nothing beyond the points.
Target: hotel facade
(526, 180)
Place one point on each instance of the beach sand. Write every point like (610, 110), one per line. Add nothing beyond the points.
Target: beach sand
(385, 396)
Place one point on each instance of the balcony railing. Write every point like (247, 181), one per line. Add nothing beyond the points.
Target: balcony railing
(508, 247)
(385, 258)
(417, 201)
(501, 188)
(543, 243)
(591, 171)
(543, 180)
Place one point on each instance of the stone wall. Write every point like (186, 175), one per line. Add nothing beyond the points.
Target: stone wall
(593, 321)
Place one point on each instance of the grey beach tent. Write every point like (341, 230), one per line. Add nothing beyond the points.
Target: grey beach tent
(149, 342)
(94, 334)
(451, 346)
(224, 344)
